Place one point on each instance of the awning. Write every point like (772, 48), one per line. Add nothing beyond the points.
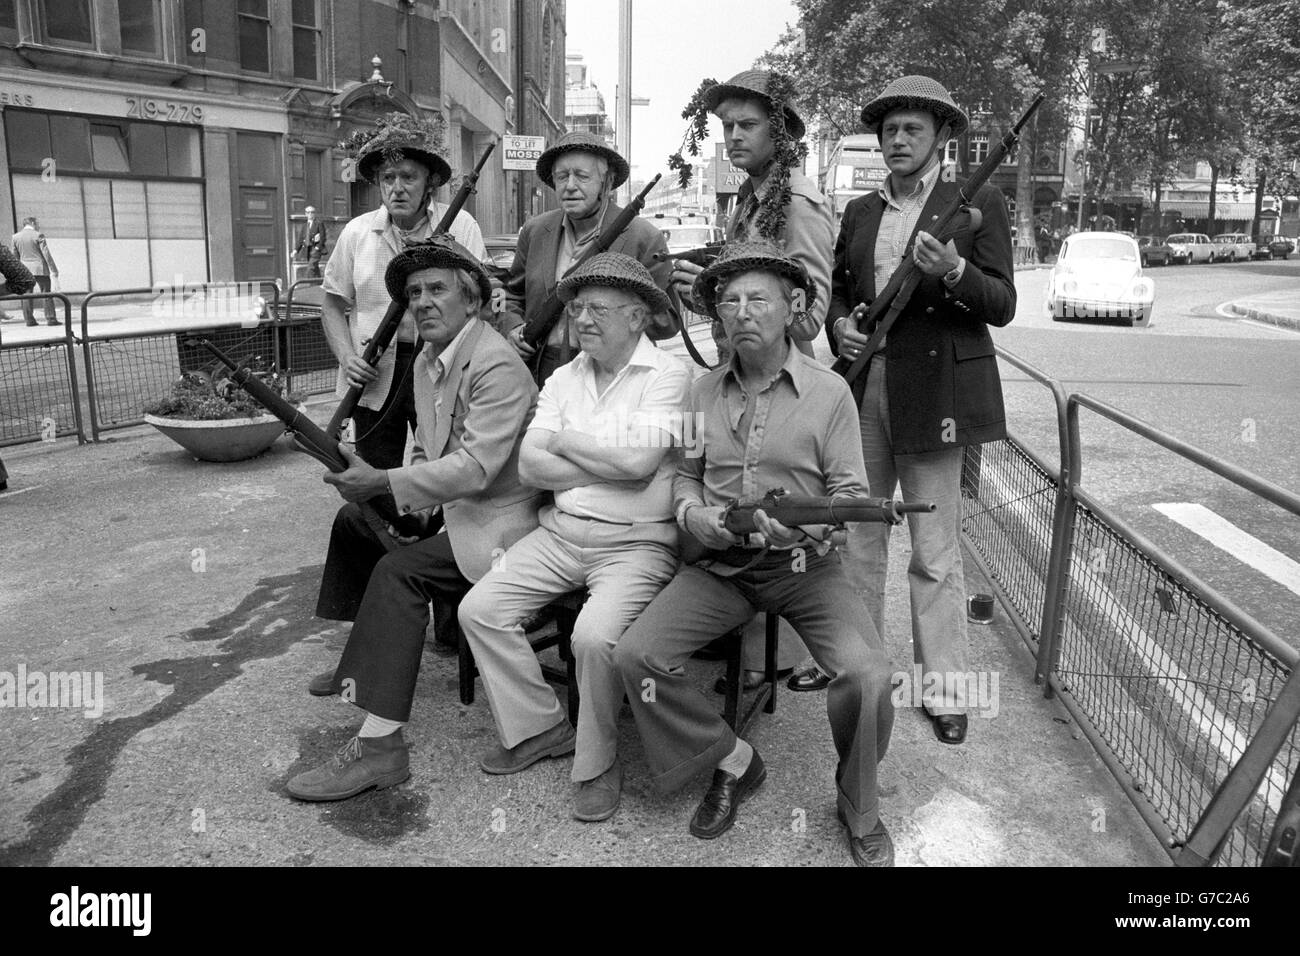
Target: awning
(1198, 209)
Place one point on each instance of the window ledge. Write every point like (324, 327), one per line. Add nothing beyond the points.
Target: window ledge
(94, 63)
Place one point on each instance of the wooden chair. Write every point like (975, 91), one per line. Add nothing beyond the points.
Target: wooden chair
(765, 693)
(565, 610)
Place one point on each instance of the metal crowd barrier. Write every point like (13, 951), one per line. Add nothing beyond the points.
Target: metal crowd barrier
(307, 361)
(126, 369)
(1190, 702)
(39, 395)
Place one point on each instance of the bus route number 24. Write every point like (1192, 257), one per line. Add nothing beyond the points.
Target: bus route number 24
(163, 110)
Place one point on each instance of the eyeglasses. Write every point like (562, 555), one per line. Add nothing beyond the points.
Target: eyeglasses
(756, 308)
(598, 312)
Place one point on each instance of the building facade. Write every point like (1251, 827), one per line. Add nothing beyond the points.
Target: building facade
(158, 139)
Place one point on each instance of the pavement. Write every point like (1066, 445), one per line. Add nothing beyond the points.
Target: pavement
(188, 588)
(1279, 308)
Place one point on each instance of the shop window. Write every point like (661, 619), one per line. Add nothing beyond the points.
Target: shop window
(29, 138)
(140, 26)
(175, 210)
(130, 214)
(183, 152)
(69, 21)
(147, 144)
(306, 39)
(71, 138)
(108, 148)
(254, 36)
(8, 19)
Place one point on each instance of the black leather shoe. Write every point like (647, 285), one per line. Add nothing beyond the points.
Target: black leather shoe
(873, 849)
(950, 728)
(811, 679)
(751, 681)
(717, 811)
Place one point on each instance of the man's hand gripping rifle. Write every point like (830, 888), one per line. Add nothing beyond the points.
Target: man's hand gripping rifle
(835, 511)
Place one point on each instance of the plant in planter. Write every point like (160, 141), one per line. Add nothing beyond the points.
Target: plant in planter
(215, 420)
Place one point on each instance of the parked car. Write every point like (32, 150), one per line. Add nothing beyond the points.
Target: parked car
(1279, 247)
(1192, 247)
(501, 253)
(1098, 275)
(1233, 246)
(1154, 250)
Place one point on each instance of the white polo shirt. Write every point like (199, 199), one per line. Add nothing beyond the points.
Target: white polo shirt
(644, 401)
(355, 272)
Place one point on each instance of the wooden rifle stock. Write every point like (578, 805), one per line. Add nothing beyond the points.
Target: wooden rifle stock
(383, 336)
(539, 326)
(892, 300)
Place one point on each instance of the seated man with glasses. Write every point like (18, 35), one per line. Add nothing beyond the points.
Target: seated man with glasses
(603, 441)
(773, 417)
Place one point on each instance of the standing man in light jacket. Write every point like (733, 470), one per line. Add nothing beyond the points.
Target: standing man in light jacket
(403, 157)
(932, 386)
(34, 252)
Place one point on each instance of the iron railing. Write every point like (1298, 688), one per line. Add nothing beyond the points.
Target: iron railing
(39, 395)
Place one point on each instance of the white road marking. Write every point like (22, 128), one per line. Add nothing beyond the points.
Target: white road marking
(21, 491)
(1216, 726)
(1226, 536)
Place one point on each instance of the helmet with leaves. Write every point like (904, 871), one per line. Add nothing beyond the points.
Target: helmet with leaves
(777, 92)
(399, 136)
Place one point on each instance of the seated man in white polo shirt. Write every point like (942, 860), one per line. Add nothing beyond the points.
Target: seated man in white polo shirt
(603, 441)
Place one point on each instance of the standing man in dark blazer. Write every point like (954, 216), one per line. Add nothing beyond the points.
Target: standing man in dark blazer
(932, 386)
(309, 242)
(584, 172)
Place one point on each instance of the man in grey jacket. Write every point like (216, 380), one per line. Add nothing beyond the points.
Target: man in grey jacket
(475, 399)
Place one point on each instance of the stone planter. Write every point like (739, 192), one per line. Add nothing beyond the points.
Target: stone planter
(227, 439)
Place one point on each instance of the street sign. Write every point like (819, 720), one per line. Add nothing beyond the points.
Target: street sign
(727, 178)
(522, 152)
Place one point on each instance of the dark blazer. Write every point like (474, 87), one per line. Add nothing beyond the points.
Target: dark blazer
(311, 241)
(942, 381)
(532, 275)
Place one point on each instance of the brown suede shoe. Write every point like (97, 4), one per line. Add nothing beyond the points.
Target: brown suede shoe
(556, 742)
(598, 799)
(362, 763)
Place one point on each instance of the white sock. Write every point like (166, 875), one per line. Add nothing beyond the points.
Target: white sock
(737, 762)
(379, 726)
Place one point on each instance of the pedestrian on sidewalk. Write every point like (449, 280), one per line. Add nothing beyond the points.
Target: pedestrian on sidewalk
(309, 243)
(31, 248)
(19, 281)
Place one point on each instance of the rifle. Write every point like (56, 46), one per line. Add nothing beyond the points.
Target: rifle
(380, 511)
(701, 255)
(794, 510)
(539, 326)
(890, 303)
(383, 336)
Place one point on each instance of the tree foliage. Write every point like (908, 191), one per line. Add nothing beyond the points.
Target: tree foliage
(1178, 80)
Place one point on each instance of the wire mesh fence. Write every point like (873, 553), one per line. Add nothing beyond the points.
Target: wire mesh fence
(37, 400)
(1174, 688)
(1007, 501)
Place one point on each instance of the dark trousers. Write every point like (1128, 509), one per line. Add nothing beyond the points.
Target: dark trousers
(4, 476)
(683, 732)
(387, 594)
(381, 435)
(29, 305)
